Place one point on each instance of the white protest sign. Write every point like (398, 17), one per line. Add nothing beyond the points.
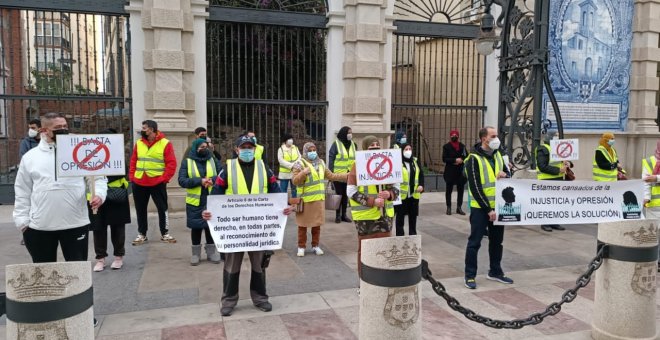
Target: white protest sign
(378, 167)
(534, 202)
(564, 150)
(90, 155)
(247, 222)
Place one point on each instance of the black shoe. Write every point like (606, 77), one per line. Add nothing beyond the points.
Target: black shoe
(460, 211)
(346, 219)
(337, 219)
(264, 306)
(546, 228)
(557, 227)
(448, 210)
(96, 322)
(226, 311)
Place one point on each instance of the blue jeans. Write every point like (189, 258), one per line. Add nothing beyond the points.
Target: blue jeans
(479, 224)
(284, 185)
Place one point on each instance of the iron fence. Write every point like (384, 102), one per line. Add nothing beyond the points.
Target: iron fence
(76, 63)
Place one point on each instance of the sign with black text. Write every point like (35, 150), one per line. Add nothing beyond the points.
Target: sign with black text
(374, 167)
(247, 222)
(534, 202)
(564, 150)
(90, 155)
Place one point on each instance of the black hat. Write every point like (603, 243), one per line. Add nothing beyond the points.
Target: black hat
(244, 139)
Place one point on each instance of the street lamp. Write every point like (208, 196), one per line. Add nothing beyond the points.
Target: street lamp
(523, 44)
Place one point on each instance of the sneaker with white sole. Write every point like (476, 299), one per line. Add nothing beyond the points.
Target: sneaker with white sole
(301, 252)
(470, 283)
(117, 263)
(139, 240)
(167, 238)
(318, 250)
(500, 278)
(100, 264)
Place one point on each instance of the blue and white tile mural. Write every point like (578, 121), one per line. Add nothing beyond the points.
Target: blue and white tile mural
(590, 42)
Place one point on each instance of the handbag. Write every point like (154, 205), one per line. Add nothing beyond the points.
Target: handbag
(298, 202)
(569, 175)
(332, 200)
(116, 195)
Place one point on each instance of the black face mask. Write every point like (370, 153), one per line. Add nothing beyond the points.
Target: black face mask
(454, 139)
(143, 134)
(60, 132)
(203, 153)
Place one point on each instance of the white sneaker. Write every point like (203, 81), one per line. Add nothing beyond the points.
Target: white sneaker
(301, 252)
(318, 250)
(100, 264)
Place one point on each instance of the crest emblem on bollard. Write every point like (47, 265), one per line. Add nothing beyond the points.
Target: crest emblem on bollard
(644, 280)
(402, 307)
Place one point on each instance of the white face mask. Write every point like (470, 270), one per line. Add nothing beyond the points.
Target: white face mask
(349, 136)
(289, 142)
(32, 133)
(407, 154)
(494, 143)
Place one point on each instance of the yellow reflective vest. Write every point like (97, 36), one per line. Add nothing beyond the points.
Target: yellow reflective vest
(344, 159)
(602, 175)
(314, 187)
(405, 189)
(193, 195)
(258, 152)
(488, 177)
(364, 213)
(150, 160)
(236, 181)
(290, 156)
(649, 165)
(543, 175)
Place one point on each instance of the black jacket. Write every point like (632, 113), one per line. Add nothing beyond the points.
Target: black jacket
(110, 213)
(453, 173)
(603, 163)
(543, 162)
(474, 175)
(194, 213)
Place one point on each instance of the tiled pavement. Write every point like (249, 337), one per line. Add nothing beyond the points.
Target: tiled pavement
(158, 295)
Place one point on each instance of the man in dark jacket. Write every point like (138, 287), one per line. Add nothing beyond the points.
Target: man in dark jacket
(551, 171)
(32, 139)
(454, 154)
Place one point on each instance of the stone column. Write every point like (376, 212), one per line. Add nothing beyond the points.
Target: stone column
(50, 301)
(334, 78)
(645, 57)
(390, 292)
(367, 67)
(625, 299)
(168, 72)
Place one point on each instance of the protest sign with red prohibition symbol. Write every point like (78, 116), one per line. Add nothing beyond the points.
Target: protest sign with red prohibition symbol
(90, 155)
(378, 167)
(564, 150)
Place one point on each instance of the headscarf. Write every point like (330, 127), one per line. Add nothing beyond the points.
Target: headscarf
(548, 136)
(195, 144)
(656, 170)
(342, 136)
(315, 163)
(603, 142)
(456, 145)
(367, 141)
(403, 147)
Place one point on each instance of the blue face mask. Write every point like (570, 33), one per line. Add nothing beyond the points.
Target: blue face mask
(403, 140)
(246, 155)
(312, 155)
(610, 142)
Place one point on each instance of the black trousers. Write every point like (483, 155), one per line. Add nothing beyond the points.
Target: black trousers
(141, 196)
(42, 245)
(479, 224)
(231, 275)
(340, 189)
(196, 236)
(117, 237)
(460, 189)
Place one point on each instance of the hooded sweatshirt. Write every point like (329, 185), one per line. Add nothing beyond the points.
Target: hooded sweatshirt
(46, 202)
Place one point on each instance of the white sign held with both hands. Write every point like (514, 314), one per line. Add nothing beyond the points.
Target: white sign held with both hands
(374, 167)
(247, 222)
(90, 155)
(564, 150)
(535, 202)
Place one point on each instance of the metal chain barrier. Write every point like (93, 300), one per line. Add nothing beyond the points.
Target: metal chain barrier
(533, 319)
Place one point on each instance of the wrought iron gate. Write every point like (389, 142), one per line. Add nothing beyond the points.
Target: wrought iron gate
(61, 56)
(266, 72)
(438, 77)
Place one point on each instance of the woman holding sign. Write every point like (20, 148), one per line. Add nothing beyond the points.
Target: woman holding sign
(309, 175)
(411, 191)
(197, 174)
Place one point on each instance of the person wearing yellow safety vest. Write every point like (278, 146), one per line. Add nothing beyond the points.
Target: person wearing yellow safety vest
(309, 175)
(244, 175)
(400, 139)
(372, 206)
(153, 164)
(410, 190)
(287, 156)
(606, 165)
(258, 149)
(116, 213)
(341, 157)
(651, 177)
(197, 174)
(483, 167)
(549, 171)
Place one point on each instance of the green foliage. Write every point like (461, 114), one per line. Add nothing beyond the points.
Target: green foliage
(55, 80)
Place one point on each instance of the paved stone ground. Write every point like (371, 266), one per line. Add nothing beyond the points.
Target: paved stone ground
(158, 295)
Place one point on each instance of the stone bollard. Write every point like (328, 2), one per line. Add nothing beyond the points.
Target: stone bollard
(625, 302)
(50, 301)
(390, 294)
